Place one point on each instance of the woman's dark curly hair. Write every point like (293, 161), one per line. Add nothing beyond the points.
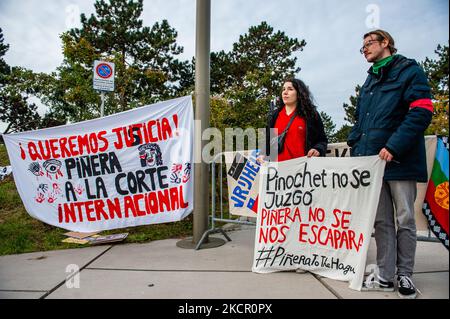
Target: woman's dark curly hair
(305, 106)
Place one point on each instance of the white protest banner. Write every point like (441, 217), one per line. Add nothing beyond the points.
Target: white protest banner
(5, 171)
(343, 150)
(317, 214)
(243, 182)
(128, 169)
(243, 178)
(338, 150)
(243, 192)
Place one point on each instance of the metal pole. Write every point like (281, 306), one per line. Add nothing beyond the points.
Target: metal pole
(213, 193)
(102, 107)
(202, 111)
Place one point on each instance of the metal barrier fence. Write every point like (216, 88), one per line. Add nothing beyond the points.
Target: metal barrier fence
(220, 214)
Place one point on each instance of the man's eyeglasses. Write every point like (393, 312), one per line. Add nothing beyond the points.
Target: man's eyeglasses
(367, 45)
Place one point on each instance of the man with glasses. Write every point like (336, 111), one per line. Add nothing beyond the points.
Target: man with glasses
(394, 108)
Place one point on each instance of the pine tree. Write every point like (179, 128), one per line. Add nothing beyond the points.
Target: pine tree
(342, 134)
(4, 68)
(266, 56)
(329, 126)
(350, 117)
(145, 62)
(16, 86)
(350, 109)
(252, 73)
(437, 71)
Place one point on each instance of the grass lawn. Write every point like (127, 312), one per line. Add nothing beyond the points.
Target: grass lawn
(21, 233)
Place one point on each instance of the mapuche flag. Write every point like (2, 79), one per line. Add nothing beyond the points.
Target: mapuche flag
(435, 206)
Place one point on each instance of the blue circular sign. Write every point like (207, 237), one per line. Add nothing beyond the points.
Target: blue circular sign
(103, 70)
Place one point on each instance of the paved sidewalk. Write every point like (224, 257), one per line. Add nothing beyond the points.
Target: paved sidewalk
(161, 270)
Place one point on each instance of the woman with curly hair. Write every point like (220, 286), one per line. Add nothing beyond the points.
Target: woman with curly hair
(305, 134)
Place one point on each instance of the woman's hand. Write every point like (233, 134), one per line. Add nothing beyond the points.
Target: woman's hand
(313, 153)
(261, 159)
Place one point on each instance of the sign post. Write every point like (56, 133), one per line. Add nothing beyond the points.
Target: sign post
(202, 113)
(103, 80)
(102, 107)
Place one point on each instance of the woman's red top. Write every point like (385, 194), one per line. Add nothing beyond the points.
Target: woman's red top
(294, 144)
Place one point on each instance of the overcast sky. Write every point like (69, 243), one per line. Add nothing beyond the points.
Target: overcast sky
(331, 64)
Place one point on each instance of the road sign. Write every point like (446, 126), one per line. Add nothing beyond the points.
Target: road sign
(103, 76)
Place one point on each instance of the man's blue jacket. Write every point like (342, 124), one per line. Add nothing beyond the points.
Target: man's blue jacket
(394, 109)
